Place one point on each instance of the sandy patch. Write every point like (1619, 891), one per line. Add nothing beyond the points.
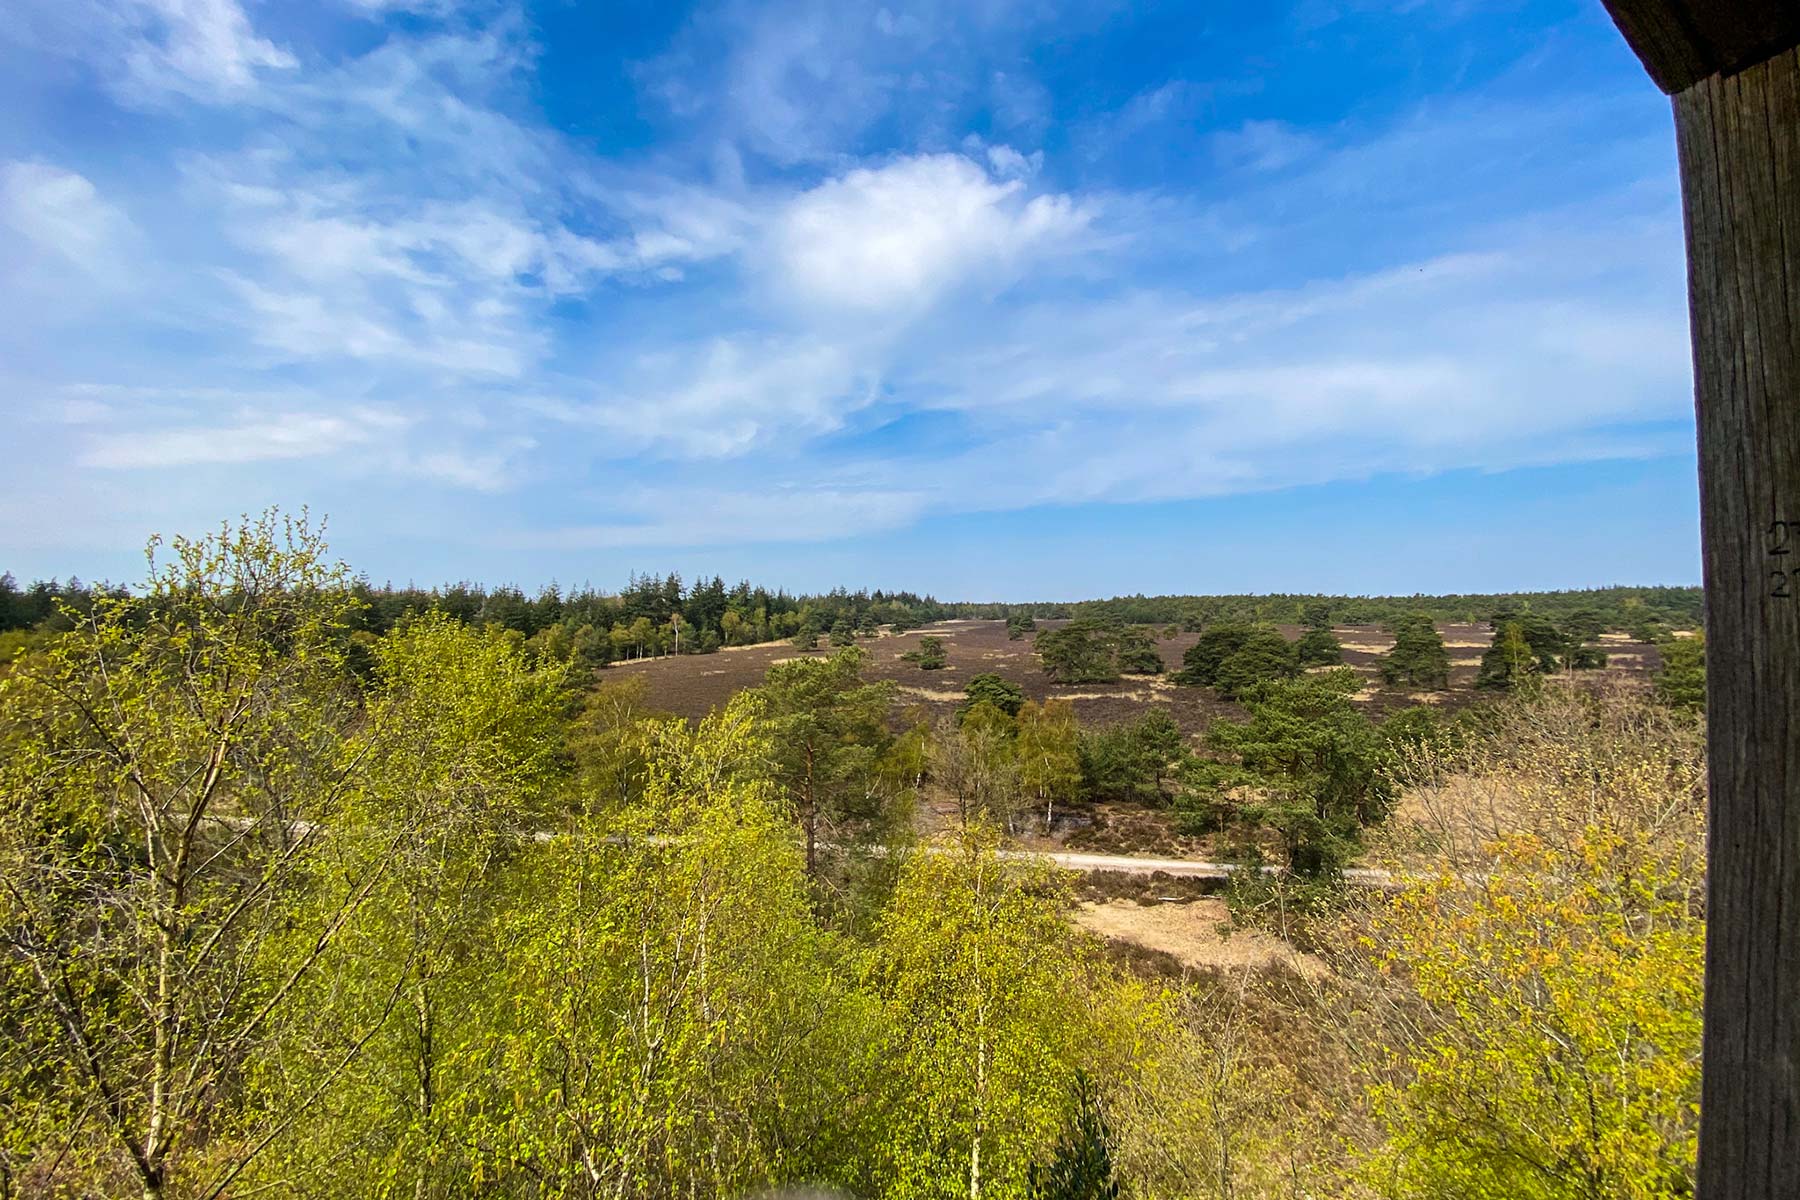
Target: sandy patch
(1466, 645)
(1191, 933)
(1368, 647)
(1367, 694)
(1615, 637)
(1681, 633)
(932, 694)
(1426, 697)
(1465, 662)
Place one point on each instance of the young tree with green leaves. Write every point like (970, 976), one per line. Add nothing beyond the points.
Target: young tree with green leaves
(1265, 657)
(930, 656)
(1049, 754)
(990, 997)
(1083, 651)
(1132, 761)
(977, 763)
(827, 731)
(1201, 662)
(1510, 662)
(181, 767)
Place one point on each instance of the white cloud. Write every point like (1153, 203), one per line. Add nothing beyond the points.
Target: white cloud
(725, 397)
(711, 517)
(1264, 145)
(897, 237)
(203, 48)
(260, 438)
(60, 212)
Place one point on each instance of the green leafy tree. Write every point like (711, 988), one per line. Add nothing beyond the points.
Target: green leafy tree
(1084, 651)
(1558, 1047)
(469, 749)
(977, 763)
(1048, 750)
(1318, 764)
(842, 634)
(1201, 662)
(989, 996)
(1418, 658)
(989, 688)
(1681, 679)
(930, 656)
(1131, 762)
(1265, 657)
(173, 768)
(827, 730)
(1319, 648)
(1137, 653)
(668, 1018)
(1509, 662)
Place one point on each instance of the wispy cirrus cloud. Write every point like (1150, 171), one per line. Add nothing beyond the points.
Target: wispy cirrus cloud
(824, 269)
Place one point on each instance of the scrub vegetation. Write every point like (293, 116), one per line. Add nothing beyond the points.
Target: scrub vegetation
(317, 889)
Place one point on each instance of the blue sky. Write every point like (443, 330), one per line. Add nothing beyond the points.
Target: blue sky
(996, 298)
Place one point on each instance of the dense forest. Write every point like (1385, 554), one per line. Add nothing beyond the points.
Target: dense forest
(655, 615)
(1623, 608)
(307, 899)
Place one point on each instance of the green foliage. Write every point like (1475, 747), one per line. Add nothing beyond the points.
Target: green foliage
(1265, 657)
(1082, 652)
(1201, 662)
(170, 766)
(827, 734)
(1132, 762)
(1586, 658)
(1018, 625)
(930, 656)
(1082, 1166)
(1137, 653)
(1510, 662)
(1319, 648)
(1317, 763)
(1048, 749)
(990, 1000)
(1560, 1047)
(843, 634)
(1418, 658)
(989, 688)
(1681, 679)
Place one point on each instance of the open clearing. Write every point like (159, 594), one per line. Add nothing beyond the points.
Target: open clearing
(1196, 933)
(693, 685)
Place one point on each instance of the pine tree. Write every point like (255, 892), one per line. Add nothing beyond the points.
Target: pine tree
(1081, 1167)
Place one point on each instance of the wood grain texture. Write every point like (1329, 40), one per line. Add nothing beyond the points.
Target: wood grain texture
(1682, 42)
(1739, 141)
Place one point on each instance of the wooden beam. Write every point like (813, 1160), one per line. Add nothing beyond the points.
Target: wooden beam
(1682, 42)
(1739, 138)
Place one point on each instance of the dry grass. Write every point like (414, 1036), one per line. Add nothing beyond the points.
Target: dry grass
(1197, 934)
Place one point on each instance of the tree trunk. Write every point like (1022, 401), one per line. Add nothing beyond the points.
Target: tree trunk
(1740, 165)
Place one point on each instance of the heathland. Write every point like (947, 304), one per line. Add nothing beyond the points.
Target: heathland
(318, 888)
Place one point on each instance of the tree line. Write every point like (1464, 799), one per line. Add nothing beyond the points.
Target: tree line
(651, 615)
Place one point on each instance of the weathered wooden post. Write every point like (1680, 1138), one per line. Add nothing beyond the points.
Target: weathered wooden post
(1734, 72)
